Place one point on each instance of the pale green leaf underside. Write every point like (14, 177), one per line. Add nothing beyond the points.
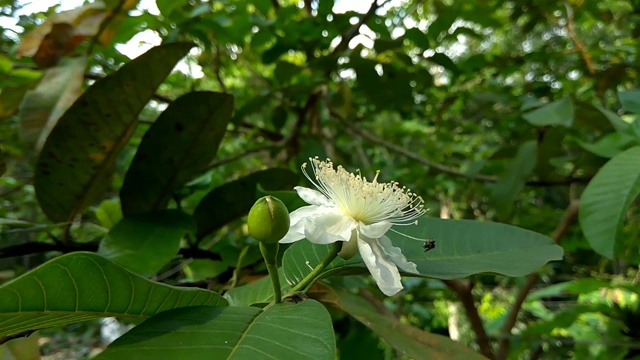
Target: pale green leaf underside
(605, 200)
(463, 248)
(82, 286)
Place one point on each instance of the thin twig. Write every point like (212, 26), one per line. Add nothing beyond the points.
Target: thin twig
(216, 68)
(571, 30)
(437, 166)
(103, 26)
(353, 31)
(568, 218)
(463, 288)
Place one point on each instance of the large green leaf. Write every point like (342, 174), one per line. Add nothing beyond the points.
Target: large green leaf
(144, 243)
(555, 113)
(467, 247)
(463, 248)
(605, 200)
(178, 146)
(42, 107)
(282, 331)
(234, 199)
(411, 341)
(82, 286)
(76, 163)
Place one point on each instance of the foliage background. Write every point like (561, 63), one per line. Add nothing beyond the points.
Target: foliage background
(490, 110)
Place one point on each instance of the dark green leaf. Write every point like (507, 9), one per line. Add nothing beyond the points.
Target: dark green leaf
(418, 38)
(556, 113)
(282, 331)
(512, 181)
(234, 199)
(178, 146)
(76, 163)
(444, 61)
(605, 200)
(144, 243)
(286, 71)
(82, 286)
(3, 163)
(410, 341)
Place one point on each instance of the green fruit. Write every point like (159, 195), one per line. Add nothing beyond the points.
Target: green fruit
(268, 220)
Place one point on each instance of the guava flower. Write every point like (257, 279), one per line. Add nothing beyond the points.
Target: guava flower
(358, 212)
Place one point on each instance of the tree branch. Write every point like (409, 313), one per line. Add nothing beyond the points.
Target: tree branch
(568, 218)
(463, 288)
(437, 166)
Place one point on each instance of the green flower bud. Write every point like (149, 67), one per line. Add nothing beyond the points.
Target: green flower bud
(268, 220)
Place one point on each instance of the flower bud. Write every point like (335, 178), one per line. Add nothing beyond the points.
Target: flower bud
(268, 220)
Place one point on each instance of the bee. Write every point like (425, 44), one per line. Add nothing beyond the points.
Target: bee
(429, 244)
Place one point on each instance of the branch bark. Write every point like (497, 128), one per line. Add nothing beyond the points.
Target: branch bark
(463, 288)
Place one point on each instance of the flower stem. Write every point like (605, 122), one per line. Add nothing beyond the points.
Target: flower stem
(269, 253)
(311, 277)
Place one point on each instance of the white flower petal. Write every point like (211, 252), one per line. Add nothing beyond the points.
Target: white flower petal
(329, 228)
(375, 230)
(295, 233)
(303, 213)
(299, 219)
(312, 197)
(395, 254)
(383, 271)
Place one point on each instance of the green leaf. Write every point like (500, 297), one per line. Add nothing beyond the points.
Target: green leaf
(463, 248)
(200, 269)
(606, 198)
(3, 163)
(630, 101)
(83, 286)
(301, 257)
(76, 163)
(609, 145)
(555, 113)
(257, 292)
(43, 106)
(282, 331)
(178, 146)
(418, 38)
(144, 243)
(467, 247)
(513, 180)
(410, 341)
(286, 71)
(234, 199)
(444, 61)
(109, 213)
